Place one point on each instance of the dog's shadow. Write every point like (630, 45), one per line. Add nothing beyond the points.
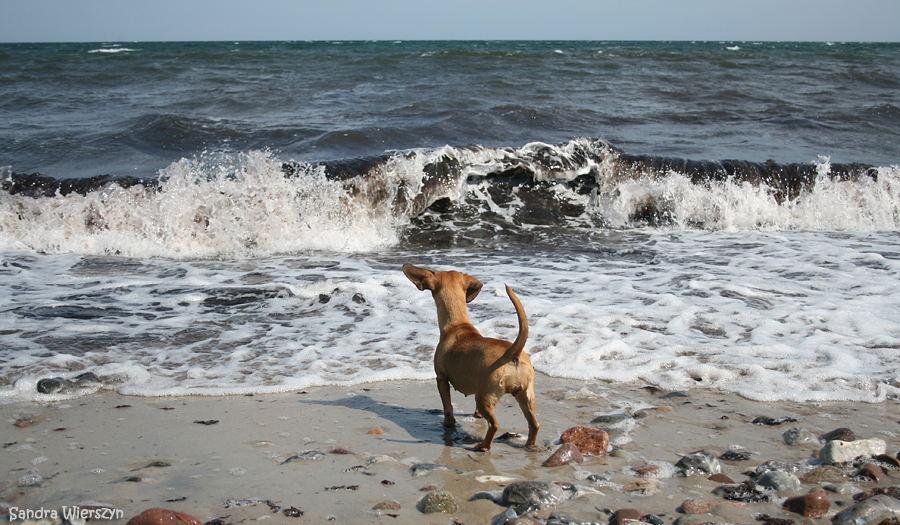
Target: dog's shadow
(422, 425)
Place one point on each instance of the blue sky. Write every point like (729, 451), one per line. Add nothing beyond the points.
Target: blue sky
(145, 20)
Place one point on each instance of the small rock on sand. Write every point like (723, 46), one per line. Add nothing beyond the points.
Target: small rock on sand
(159, 516)
(439, 501)
(567, 453)
(590, 441)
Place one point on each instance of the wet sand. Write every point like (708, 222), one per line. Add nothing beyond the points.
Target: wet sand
(231, 457)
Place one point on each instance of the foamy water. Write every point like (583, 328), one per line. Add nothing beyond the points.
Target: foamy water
(796, 316)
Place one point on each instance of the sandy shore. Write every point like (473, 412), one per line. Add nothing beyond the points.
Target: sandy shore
(231, 457)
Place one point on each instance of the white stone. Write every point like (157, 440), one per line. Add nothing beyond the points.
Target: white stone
(841, 451)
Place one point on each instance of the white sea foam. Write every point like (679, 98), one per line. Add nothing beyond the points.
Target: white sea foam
(797, 316)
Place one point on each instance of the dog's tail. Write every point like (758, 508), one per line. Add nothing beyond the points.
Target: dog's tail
(519, 344)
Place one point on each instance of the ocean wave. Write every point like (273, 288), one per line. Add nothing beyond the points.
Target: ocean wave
(255, 203)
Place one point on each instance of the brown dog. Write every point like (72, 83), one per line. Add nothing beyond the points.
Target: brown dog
(488, 368)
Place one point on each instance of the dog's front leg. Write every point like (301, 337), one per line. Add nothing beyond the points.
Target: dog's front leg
(444, 390)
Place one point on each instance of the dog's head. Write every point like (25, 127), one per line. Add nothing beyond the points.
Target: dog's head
(427, 280)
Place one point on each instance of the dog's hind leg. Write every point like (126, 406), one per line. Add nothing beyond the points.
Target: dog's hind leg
(485, 405)
(526, 403)
(444, 389)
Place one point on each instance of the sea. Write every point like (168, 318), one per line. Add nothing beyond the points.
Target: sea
(229, 218)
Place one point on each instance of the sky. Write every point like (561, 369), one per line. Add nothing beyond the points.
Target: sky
(181, 20)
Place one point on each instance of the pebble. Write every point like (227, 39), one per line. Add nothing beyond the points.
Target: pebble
(439, 501)
(376, 431)
(590, 441)
(567, 453)
(310, 455)
(721, 478)
(621, 516)
(838, 451)
(779, 481)
(698, 506)
(644, 487)
(840, 434)
(826, 473)
(746, 492)
(871, 511)
(872, 472)
(387, 505)
(799, 436)
(422, 469)
(159, 516)
(770, 421)
(539, 494)
(813, 505)
(699, 463)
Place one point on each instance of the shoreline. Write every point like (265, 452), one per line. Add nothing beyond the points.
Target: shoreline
(238, 458)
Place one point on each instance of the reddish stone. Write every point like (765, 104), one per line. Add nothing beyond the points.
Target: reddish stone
(649, 470)
(813, 505)
(376, 431)
(590, 441)
(644, 487)
(839, 434)
(428, 488)
(871, 471)
(568, 453)
(623, 515)
(387, 505)
(721, 478)
(697, 506)
(158, 516)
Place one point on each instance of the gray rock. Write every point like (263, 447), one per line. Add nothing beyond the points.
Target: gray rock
(845, 489)
(59, 385)
(871, 511)
(422, 469)
(309, 455)
(783, 466)
(799, 436)
(779, 481)
(700, 463)
(610, 419)
(842, 451)
(539, 494)
(507, 515)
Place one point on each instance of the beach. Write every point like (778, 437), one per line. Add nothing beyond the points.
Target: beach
(247, 458)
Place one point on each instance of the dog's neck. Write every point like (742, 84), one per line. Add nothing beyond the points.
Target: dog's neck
(451, 310)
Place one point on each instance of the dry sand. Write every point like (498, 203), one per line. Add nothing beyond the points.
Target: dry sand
(112, 450)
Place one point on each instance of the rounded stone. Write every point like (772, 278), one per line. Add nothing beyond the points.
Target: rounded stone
(779, 481)
(159, 516)
(622, 515)
(837, 451)
(390, 504)
(799, 436)
(568, 453)
(814, 505)
(840, 434)
(439, 501)
(539, 493)
(590, 441)
(826, 474)
(702, 462)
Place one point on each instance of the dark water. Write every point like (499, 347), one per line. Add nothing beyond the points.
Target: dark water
(75, 110)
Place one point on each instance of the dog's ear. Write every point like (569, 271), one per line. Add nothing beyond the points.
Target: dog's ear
(472, 289)
(422, 278)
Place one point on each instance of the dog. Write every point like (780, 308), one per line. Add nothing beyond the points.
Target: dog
(472, 364)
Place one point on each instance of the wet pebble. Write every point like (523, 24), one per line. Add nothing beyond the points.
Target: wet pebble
(876, 509)
(825, 473)
(538, 494)
(589, 441)
(871, 471)
(779, 481)
(893, 492)
(702, 462)
(422, 469)
(813, 505)
(622, 516)
(644, 487)
(799, 436)
(567, 453)
(390, 504)
(771, 421)
(647, 412)
(840, 434)
(733, 455)
(310, 455)
(746, 492)
(439, 501)
(159, 516)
